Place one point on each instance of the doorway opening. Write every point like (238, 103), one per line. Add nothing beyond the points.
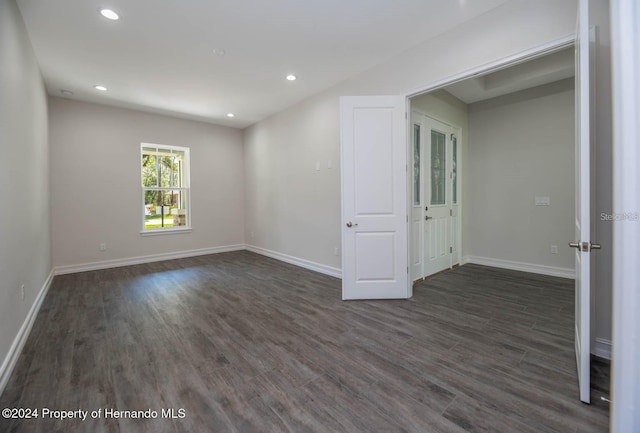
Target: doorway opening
(524, 178)
(435, 240)
(493, 169)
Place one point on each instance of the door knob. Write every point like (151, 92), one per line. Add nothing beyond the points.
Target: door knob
(585, 247)
(427, 218)
(350, 224)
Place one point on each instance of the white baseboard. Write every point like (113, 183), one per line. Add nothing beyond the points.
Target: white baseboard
(521, 266)
(106, 264)
(15, 350)
(307, 264)
(602, 348)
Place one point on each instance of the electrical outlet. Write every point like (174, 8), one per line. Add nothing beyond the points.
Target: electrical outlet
(252, 234)
(103, 246)
(554, 249)
(22, 290)
(336, 251)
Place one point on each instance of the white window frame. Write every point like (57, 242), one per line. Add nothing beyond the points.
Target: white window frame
(186, 189)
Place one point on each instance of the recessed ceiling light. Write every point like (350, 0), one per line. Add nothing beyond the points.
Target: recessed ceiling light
(231, 115)
(219, 52)
(99, 87)
(291, 77)
(109, 14)
(66, 92)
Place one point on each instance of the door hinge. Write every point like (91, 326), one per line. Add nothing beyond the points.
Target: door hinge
(407, 218)
(450, 212)
(450, 250)
(407, 269)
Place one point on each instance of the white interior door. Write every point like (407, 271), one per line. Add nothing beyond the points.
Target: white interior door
(375, 261)
(582, 242)
(438, 187)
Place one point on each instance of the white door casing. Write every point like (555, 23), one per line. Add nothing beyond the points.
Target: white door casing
(374, 197)
(625, 380)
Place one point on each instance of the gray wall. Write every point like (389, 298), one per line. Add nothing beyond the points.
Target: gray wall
(25, 253)
(522, 146)
(95, 182)
(301, 216)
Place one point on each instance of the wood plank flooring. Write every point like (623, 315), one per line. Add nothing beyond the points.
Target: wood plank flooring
(244, 343)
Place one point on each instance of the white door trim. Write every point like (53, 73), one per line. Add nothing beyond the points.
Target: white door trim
(625, 67)
(506, 62)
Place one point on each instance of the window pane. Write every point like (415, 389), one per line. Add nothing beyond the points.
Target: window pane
(454, 163)
(438, 168)
(165, 208)
(149, 170)
(170, 169)
(165, 170)
(416, 165)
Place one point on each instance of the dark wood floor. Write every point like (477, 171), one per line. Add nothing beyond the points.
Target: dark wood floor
(243, 343)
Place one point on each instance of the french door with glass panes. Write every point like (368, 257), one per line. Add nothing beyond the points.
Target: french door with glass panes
(435, 215)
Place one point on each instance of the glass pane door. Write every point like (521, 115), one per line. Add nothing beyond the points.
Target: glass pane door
(438, 168)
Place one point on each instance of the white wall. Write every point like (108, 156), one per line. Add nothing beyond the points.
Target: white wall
(294, 209)
(522, 146)
(25, 253)
(95, 182)
(306, 223)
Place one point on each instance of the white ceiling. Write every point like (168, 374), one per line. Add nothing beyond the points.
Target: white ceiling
(160, 57)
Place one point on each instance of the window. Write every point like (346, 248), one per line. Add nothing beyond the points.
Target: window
(416, 165)
(165, 188)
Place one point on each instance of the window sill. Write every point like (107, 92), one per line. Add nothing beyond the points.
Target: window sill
(157, 232)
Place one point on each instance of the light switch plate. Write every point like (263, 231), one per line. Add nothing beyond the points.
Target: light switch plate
(543, 201)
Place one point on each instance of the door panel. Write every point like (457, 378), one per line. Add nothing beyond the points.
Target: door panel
(374, 198)
(582, 243)
(375, 259)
